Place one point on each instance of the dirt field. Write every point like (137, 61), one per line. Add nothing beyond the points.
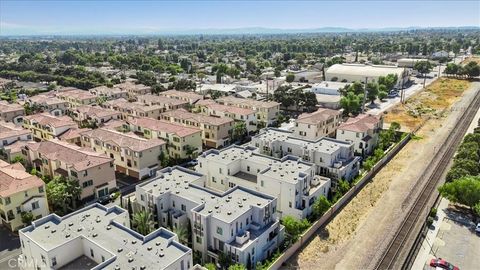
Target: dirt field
(351, 240)
(470, 59)
(429, 103)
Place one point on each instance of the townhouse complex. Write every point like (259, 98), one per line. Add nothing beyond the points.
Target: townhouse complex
(363, 131)
(45, 126)
(182, 142)
(48, 103)
(97, 237)
(318, 124)
(76, 97)
(189, 97)
(136, 109)
(134, 89)
(96, 115)
(11, 112)
(239, 222)
(166, 103)
(94, 171)
(109, 93)
(132, 155)
(334, 158)
(210, 107)
(292, 181)
(266, 111)
(10, 133)
(216, 132)
(20, 192)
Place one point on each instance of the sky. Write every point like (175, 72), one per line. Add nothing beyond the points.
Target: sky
(19, 17)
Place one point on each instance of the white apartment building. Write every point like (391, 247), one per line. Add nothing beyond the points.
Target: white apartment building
(98, 237)
(334, 158)
(318, 124)
(239, 222)
(290, 179)
(363, 131)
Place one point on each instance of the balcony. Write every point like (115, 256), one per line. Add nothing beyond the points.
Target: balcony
(242, 237)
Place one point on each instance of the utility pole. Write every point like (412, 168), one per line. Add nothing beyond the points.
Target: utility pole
(364, 95)
(402, 94)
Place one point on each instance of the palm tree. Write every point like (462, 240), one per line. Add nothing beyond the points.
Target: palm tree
(142, 221)
(239, 130)
(182, 233)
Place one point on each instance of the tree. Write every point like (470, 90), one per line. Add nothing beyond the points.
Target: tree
(294, 227)
(456, 173)
(27, 218)
(469, 165)
(18, 159)
(351, 103)
(290, 78)
(451, 69)
(142, 222)
(224, 260)
(210, 266)
(382, 95)
(320, 206)
(423, 67)
(237, 267)
(63, 192)
(472, 69)
(239, 130)
(372, 91)
(465, 190)
(183, 234)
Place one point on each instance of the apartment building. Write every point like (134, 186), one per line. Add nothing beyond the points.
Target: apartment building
(134, 156)
(216, 132)
(136, 109)
(98, 237)
(133, 89)
(211, 108)
(93, 115)
(45, 126)
(10, 133)
(73, 136)
(94, 171)
(182, 142)
(363, 131)
(77, 97)
(189, 97)
(266, 111)
(20, 192)
(109, 93)
(166, 103)
(239, 222)
(318, 124)
(289, 179)
(11, 112)
(48, 103)
(334, 158)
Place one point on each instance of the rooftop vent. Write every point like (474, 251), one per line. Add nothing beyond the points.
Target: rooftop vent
(109, 227)
(134, 241)
(161, 255)
(53, 231)
(210, 211)
(241, 205)
(259, 204)
(67, 235)
(130, 259)
(154, 185)
(117, 267)
(95, 235)
(143, 267)
(119, 249)
(229, 213)
(157, 243)
(47, 227)
(149, 248)
(79, 229)
(70, 224)
(216, 206)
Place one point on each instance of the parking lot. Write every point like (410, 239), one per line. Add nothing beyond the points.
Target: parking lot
(9, 248)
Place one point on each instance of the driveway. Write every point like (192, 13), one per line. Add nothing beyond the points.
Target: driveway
(9, 248)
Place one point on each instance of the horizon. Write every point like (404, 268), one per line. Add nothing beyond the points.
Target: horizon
(37, 18)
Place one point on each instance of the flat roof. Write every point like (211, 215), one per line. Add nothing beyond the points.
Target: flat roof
(364, 70)
(102, 226)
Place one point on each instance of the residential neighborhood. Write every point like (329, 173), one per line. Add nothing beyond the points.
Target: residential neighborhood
(196, 136)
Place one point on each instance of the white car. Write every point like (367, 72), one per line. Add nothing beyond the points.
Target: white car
(477, 229)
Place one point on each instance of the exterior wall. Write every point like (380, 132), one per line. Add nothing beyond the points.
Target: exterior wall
(45, 133)
(10, 140)
(15, 117)
(314, 132)
(22, 202)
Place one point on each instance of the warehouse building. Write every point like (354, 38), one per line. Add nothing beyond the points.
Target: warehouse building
(349, 73)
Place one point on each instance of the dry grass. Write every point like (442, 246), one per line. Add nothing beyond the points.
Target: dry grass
(432, 102)
(475, 58)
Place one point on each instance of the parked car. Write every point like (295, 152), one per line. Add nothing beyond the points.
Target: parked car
(477, 229)
(392, 94)
(103, 200)
(441, 263)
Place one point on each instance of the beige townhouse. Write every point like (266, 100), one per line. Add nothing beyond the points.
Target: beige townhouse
(20, 193)
(134, 89)
(211, 108)
(11, 112)
(94, 171)
(48, 103)
(182, 142)
(216, 132)
(76, 97)
(11, 136)
(318, 124)
(190, 97)
(45, 126)
(266, 111)
(136, 109)
(109, 93)
(133, 155)
(166, 103)
(363, 131)
(93, 115)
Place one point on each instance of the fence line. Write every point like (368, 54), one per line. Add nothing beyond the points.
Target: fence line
(327, 216)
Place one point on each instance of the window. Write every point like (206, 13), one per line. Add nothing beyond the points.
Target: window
(8, 200)
(219, 231)
(54, 261)
(184, 207)
(26, 194)
(290, 204)
(199, 239)
(92, 254)
(35, 205)
(220, 170)
(103, 259)
(142, 198)
(213, 179)
(19, 210)
(248, 168)
(43, 258)
(40, 189)
(261, 183)
(74, 174)
(87, 183)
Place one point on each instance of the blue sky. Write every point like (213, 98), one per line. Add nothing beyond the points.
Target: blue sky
(143, 17)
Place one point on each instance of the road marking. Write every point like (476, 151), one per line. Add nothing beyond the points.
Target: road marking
(9, 257)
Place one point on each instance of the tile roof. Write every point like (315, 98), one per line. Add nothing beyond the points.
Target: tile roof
(50, 120)
(123, 140)
(132, 87)
(122, 104)
(197, 118)
(318, 116)
(14, 179)
(182, 94)
(8, 130)
(163, 126)
(73, 133)
(75, 156)
(76, 93)
(96, 111)
(45, 99)
(104, 90)
(360, 123)
(251, 103)
(160, 100)
(10, 107)
(230, 109)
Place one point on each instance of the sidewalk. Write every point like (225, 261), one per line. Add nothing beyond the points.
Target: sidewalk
(429, 247)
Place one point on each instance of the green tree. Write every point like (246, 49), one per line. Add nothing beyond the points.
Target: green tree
(290, 77)
(320, 206)
(456, 173)
(27, 218)
(372, 91)
(142, 222)
(183, 234)
(210, 266)
(294, 227)
(469, 165)
(423, 67)
(465, 190)
(224, 260)
(472, 69)
(239, 131)
(351, 103)
(237, 267)
(62, 193)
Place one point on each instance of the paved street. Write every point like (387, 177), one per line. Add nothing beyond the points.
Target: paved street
(9, 248)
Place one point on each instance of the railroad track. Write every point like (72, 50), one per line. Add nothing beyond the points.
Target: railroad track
(439, 164)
